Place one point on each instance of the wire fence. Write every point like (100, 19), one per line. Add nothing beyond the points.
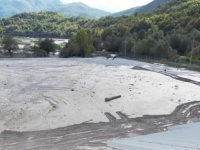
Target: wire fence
(173, 62)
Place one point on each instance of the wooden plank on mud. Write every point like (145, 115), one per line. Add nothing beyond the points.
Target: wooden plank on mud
(112, 98)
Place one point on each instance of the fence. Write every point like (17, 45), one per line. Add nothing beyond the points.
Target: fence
(172, 62)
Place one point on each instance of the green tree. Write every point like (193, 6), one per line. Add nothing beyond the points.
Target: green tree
(80, 45)
(180, 43)
(113, 43)
(48, 45)
(39, 52)
(9, 44)
(84, 41)
(136, 14)
(70, 49)
(164, 50)
(141, 35)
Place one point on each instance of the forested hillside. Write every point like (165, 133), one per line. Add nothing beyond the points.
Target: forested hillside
(12, 7)
(126, 12)
(167, 31)
(43, 24)
(150, 6)
(177, 16)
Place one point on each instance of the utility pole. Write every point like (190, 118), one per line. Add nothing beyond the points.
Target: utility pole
(134, 48)
(192, 52)
(125, 43)
(2, 28)
(99, 41)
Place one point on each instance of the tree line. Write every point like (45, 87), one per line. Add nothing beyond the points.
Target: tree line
(42, 24)
(169, 31)
(42, 49)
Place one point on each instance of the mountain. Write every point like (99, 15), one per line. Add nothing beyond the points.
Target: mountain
(126, 12)
(164, 32)
(11, 7)
(152, 5)
(168, 31)
(43, 4)
(176, 16)
(80, 9)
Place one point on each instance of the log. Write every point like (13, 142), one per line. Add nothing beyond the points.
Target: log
(112, 98)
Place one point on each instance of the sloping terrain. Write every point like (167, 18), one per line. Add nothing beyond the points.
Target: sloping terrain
(79, 9)
(126, 12)
(12, 7)
(152, 5)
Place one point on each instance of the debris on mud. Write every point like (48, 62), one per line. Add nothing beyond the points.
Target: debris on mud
(112, 98)
(140, 68)
(75, 136)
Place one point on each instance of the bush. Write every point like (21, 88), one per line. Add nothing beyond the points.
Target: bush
(80, 45)
(66, 52)
(39, 52)
(187, 59)
(100, 54)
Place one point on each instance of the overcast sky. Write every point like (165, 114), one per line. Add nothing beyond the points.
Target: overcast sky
(111, 5)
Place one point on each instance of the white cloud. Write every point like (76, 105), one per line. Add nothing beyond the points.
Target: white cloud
(111, 6)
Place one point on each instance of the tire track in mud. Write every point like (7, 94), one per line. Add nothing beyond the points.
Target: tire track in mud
(54, 104)
(122, 116)
(94, 135)
(181, 78)
(169, 75)
(110, 117)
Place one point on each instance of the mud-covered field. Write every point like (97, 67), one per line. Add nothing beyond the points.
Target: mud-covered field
(94, 135)
(56, 104)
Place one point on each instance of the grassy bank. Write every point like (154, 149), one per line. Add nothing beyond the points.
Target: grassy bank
(193, 67)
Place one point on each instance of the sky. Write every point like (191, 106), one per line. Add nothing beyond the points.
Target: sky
(111, 5)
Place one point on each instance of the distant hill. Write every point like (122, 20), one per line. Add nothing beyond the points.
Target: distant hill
(43, 24)
(168, 31)
(152, 5)
(80, 9)
(175, 16)
(12, 7)
(162, 32)
(126, 12)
